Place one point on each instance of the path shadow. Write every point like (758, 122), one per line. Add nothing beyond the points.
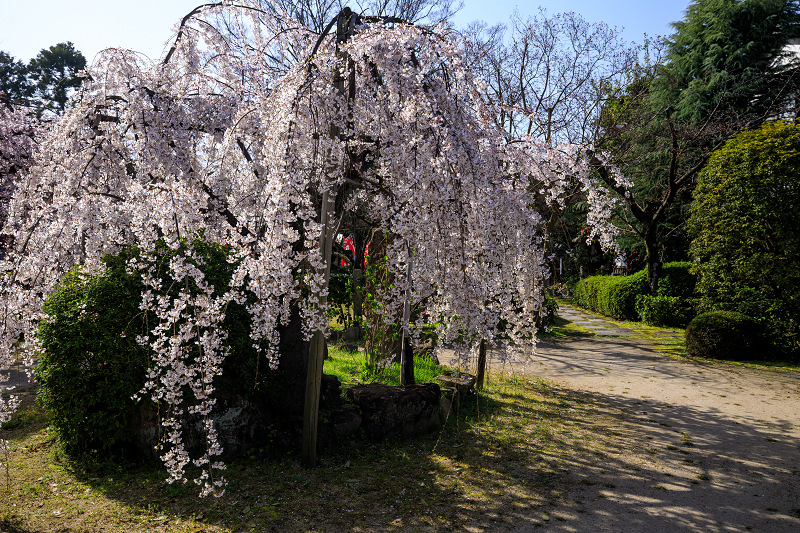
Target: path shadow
(663, 467)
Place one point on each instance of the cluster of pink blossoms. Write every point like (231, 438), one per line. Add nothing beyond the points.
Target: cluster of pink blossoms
(233, 140)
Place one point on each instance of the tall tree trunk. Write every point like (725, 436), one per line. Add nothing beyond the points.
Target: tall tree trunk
(652, 260)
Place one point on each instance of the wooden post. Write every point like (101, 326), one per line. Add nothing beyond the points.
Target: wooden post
(346, 22)
(481, 365)
(358, 297)
(406, 358)
(316, 352)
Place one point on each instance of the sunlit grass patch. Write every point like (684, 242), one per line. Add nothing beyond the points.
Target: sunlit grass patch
(351, 367)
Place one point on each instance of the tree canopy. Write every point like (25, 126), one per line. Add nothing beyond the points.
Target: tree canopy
(54, 75)
(724, 68)
(14, 83)
(729, 55)
(46, 82)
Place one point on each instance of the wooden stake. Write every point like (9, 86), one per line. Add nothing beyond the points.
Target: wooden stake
(481, 365)
(406, 373)
(316, 352)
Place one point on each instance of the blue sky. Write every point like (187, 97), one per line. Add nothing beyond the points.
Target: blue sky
(27, 26)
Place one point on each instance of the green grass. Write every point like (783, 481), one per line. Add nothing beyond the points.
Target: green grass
(351, 368)
(672, 343)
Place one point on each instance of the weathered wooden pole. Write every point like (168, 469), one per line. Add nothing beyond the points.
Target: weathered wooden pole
(481, 365)
(406, 357)
(316, 352)
(345, 25)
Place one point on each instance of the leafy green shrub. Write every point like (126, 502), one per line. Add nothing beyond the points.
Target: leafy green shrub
(340, 298)
(621, 299)
(726, 335)
(744, 221)
(611, 295)
(586, 291)
(91, 364)
(550, 311)
(677, 280)
(668, 311)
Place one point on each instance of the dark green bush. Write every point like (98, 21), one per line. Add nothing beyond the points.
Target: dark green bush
(91, 365)
(550, 311)
(546, 318)
(585, 293)
(616, 296)
(622, 296)
(726, 335)
(744, 218)
(667, 311)
(677, 280)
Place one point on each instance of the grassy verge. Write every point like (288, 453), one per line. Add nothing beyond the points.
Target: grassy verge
(498, 459)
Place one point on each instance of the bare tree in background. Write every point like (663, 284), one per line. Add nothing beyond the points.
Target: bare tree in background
(316, 14)
(551, 75)
(551, 72)
(306, 20)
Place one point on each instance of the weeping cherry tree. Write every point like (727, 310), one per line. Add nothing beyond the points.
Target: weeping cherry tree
(229, 139)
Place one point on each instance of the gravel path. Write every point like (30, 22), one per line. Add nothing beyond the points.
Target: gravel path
(689, 447)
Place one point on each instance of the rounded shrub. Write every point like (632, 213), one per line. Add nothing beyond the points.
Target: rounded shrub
(726, 335)
(90, 364)
(744, 219)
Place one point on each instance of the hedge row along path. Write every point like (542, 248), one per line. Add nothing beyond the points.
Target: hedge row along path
(689, 446)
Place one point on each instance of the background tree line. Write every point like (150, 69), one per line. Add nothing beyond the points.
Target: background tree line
(46, 82)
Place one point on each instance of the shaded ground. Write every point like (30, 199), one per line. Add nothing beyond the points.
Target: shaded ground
(694, 447)
(627, 441)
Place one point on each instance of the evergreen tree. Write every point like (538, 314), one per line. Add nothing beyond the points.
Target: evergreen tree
(54, 72)
(14, 79)
(728, 57)
(724, 68)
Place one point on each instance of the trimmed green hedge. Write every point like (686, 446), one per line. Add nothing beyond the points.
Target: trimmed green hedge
(726, 335)
(667, 311)
(611, 295)
(677, 280)
(616, 296)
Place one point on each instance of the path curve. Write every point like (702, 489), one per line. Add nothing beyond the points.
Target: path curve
(694, 447)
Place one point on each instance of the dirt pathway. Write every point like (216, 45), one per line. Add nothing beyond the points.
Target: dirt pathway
(687, 446)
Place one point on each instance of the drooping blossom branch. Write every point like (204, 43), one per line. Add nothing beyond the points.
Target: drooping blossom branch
(230, 142)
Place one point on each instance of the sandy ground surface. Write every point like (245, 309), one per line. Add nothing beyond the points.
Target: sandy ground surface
(692, 447)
